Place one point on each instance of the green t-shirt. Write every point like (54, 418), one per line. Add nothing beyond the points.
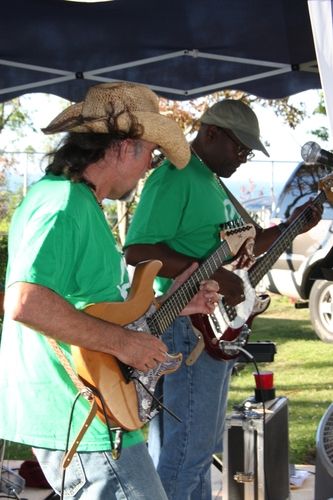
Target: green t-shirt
(183, 209)
(59, 239)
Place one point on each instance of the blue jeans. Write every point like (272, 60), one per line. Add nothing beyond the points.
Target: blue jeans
(197, 394)
(96, 476)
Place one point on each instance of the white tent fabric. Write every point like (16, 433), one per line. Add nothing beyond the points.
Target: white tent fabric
(321, 16)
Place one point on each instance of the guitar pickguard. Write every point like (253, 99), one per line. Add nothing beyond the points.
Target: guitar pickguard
(216, 333)
(145, 382)
(235, 317)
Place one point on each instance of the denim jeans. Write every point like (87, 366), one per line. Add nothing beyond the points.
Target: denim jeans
(197, 394)
(96, 476)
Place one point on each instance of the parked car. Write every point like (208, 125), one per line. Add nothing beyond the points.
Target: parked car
(304, 271)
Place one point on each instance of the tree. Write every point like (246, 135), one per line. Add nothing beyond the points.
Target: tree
(322, 132)
(13, 116)
(187, 113)
(17, 118)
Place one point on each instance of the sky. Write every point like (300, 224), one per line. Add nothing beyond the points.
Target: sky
(261, 176)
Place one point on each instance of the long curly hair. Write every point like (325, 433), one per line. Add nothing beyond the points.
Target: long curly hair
(79, 149)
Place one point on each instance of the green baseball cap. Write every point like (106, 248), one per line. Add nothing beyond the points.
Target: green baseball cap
(236, 116)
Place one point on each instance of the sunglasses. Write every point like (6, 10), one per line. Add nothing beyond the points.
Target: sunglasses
(243, 153)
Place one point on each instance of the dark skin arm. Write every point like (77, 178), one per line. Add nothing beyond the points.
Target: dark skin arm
(266, 237)
(231, 286)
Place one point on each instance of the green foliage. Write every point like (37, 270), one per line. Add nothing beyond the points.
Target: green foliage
(8, 202)
(13, 116)
(17, 451)
(3, 259)
(321, 108)
(302, 372)
(322, 132)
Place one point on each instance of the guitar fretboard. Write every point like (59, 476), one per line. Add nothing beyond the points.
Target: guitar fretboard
(264, 263)
(160, 321)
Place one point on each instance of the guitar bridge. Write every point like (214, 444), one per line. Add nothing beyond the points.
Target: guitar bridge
(232, 348)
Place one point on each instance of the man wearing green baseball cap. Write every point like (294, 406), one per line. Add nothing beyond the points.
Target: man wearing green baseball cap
(178, 221)
(237, 117)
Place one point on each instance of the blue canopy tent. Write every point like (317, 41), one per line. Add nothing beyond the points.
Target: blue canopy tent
(182, 49)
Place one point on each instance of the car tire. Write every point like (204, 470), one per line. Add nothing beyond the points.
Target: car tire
(321, 309)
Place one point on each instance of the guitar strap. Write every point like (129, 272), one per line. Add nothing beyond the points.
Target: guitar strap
(240, 209)
(85, 392)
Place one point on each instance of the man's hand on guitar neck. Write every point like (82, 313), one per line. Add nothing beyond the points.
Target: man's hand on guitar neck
(174, 263)
(266, 237)
(313, 218)
(204, 301)
(231, 286)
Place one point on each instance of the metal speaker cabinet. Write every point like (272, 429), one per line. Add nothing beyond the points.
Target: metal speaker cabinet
(255, 456)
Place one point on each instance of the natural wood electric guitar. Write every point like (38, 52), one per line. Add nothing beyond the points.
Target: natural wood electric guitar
(226, 323)
(127, 392)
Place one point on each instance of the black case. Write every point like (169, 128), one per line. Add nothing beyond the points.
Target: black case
(255, 456)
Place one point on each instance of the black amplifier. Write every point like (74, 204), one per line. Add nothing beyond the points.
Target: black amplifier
(263, 351)
(255, 452)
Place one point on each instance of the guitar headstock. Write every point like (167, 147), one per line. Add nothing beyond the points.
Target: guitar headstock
(326, 185)
(237, 235)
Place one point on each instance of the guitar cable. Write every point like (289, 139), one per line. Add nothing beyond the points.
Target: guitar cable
(252, 359)
(63, 476)
(158, 402)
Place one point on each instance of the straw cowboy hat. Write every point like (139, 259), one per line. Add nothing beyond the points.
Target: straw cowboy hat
(106, 101)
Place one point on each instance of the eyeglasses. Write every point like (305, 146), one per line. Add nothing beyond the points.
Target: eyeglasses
(157, 158)
(156, 155)
(243, 153)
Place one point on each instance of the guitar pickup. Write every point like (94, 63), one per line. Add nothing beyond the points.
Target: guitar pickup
(126, 370)
(230, 311)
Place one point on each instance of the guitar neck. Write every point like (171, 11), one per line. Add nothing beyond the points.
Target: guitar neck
(264, 263)
(160, 321)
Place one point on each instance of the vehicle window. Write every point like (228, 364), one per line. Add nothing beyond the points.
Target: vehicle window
(301, 186)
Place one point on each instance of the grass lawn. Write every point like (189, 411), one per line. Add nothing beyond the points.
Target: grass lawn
(302, 372)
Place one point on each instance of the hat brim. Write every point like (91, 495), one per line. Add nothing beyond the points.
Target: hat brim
(66, 121)
(157, 128)
(250, 141)
(168, 136)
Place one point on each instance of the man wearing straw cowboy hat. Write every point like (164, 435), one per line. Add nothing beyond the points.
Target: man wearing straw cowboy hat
(178, 221)
(62, 258)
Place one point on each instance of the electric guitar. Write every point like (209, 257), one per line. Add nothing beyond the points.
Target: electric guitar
(226, 324)
(128, 393)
